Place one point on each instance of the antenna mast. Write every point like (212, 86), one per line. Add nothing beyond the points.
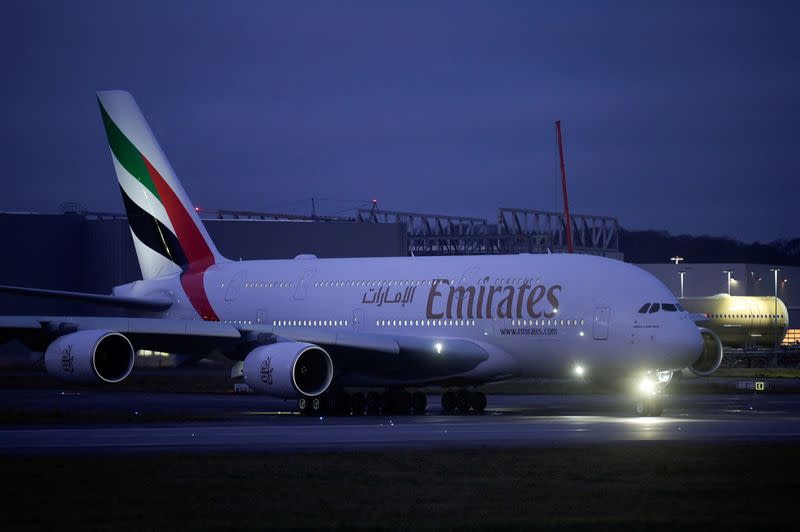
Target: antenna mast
(567, 221)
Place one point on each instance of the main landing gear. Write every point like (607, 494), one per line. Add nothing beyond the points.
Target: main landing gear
(462, 401)
(310, 405)
(358, 404)
(391, 401)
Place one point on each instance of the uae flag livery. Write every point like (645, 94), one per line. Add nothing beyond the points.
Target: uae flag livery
(168, 235)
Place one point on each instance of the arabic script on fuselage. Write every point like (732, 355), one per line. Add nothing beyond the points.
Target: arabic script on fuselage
(483, 300)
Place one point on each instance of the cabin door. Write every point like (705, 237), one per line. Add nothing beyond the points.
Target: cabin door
(234, 286)
(302, 285)
(358, 320)
(602, 316)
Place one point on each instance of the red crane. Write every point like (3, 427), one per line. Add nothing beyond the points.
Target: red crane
(567, 221)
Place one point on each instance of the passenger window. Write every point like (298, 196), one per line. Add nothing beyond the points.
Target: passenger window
(669, 307)
(654, 308)
(644, 308)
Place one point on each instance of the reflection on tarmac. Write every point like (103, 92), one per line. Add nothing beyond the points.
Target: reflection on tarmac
(254, 423)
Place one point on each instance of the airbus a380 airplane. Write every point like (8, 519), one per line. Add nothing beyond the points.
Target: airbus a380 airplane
(309, 329)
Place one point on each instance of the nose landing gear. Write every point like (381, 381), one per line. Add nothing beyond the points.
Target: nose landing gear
(649, 406)
(649, 397)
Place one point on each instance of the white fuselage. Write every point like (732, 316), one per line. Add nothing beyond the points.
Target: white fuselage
(536, 315)
(742, 321)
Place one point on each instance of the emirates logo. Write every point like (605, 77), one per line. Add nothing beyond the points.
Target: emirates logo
(266, 371)
(67, 360)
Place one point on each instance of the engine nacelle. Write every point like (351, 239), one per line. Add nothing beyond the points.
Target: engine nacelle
(711, 358)
(90, 356)
(288, 369)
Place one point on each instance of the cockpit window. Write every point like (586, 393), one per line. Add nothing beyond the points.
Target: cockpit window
(680, 308)
(654, 308)
(644, 308)
(669, 307)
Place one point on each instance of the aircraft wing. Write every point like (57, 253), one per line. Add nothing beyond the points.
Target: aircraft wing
(192, 337)
(391, 357)
(133, 303)
(375, 355)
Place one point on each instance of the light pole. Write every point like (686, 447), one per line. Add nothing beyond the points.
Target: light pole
(729, 272)
(676, 259)
(775, 316)
(775, 271)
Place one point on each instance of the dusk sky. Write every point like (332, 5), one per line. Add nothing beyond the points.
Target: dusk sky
(683, 119)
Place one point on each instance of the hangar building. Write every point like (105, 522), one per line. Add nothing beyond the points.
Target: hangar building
(92, 252)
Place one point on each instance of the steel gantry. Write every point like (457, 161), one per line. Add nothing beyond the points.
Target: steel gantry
(516, 231)
(597, 235)
(438, 234)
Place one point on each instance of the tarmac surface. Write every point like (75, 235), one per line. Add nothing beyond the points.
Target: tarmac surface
(230, 422)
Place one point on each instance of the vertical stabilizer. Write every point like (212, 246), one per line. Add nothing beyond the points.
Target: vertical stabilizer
(167, 233)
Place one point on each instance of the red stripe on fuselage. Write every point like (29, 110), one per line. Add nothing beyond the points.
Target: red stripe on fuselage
(193, 244)
(194, 285)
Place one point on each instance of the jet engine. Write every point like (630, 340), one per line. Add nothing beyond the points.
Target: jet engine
(711, 357)
(288, 369)
(90, 356)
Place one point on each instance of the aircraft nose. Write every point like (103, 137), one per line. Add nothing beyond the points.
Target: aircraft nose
(681, 347)
(687, 345)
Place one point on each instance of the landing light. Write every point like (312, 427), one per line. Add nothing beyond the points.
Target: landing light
(579, 370)
(438, 347)
(647, 386)
(580, 333)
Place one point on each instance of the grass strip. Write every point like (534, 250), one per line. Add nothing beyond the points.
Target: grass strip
(632, 487)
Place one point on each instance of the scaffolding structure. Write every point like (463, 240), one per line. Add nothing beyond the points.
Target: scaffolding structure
(516, 231)
(438, 234)
(591, 234)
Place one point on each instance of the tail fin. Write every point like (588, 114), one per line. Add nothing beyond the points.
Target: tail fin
(167, 233)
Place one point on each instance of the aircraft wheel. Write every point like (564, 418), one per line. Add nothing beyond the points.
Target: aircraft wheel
(343, 402)
(462, 401)
(656, 406)
(403, 402)
(317, 405)
(302, 405)
(477, 400)
(418, 402)
(358, 402)
(388, 402)
(652, 406)
(373, 403)
(306, 405)
(448, 402)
